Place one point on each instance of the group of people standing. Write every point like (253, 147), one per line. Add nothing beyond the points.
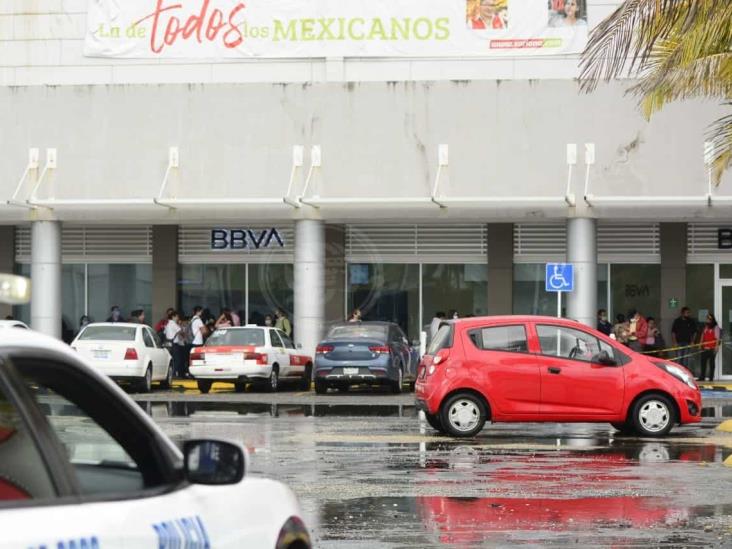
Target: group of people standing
(688, 338)
(182, 334)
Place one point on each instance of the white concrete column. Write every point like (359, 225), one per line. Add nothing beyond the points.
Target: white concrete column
(46, 277)
(309, 283)
(582, 253)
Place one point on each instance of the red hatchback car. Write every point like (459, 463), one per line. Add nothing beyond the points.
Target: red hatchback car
(537, 369)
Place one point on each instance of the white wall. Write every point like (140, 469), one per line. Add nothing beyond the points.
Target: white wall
(41, 43)
(378, 140)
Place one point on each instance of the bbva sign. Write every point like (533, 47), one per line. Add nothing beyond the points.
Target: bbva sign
(245, 239)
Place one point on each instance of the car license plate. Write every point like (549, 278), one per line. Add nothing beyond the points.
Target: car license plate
(101, 355)
(350, 371)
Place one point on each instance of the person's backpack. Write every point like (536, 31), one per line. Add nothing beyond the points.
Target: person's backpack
(188, 332)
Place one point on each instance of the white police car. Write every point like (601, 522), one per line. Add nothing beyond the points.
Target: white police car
(82, 466)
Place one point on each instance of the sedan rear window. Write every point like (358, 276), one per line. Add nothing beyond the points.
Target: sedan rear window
(108, 333)
(358, 331)
(243, 337)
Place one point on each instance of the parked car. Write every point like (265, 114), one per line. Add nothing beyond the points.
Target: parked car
(126, 353)
(536, 369)
(81, 465)
(354, 353)
(13, 324)
(250, 354)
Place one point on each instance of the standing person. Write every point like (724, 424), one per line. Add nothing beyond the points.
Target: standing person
(160, 326)
(268, 321)
(197, 327)
(355, 316)
(454, 314)
(621, 329)
(711, 337)
(638, 330)
(603, 325)
(174, 336)
(225, 320)
(138, 317)
(654, 339)
(235, 318)
(84, 321)
(282, 322)
(115, 314)
(435, 324)
(683, 334)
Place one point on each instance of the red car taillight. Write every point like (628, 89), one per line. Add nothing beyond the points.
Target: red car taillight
(380, 349)
(198, 355)
(261, 358)
(323, 349)
(131, 354)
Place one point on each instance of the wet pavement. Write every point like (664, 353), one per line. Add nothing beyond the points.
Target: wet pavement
(371, 476)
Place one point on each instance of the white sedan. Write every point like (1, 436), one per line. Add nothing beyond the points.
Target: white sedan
(250, 354)
(126, 352)
(81, 465)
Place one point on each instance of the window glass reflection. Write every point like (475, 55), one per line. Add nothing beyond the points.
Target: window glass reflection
(388, 292)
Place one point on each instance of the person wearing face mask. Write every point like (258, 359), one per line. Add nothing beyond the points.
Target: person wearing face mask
(115, 314)
(268, 321)
(711, 337)
(638, 332)
(603, 325)
(84, 321)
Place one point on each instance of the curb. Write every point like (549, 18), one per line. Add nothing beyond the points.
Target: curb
(712, 387)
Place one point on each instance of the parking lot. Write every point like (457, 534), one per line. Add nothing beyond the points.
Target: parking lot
(369, 473)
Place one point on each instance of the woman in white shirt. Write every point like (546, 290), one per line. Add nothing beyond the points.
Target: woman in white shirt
(174, 335)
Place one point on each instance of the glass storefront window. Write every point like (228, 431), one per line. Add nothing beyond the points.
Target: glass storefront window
(386, 292)
(699, 291)
(127, 286)
(725, 271)
(270, 287)
(530, 297)
(213, 287)
(461, 288)
(636, 287)
(73, 299)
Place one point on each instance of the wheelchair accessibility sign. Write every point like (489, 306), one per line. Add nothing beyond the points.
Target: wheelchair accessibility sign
(559, 277)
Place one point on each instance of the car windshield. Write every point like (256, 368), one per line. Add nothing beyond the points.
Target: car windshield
(358, 331)
(237, 337)
(108, 333)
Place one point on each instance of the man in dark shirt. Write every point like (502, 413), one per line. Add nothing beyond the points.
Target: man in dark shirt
(683, 333)
(602, 323)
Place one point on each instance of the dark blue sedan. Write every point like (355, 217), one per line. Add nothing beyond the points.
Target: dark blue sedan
(358, 353)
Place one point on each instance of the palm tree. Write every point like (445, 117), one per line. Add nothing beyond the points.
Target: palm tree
(676, 49)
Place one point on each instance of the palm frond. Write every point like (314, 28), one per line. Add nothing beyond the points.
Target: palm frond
(720, 137)
(627, 37)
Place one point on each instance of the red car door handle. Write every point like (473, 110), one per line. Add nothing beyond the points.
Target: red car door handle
(555, 370)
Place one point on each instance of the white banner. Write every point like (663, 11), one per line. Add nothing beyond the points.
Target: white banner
(231, 29)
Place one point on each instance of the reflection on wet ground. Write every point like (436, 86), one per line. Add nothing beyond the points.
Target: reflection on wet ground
(390, 481)
(192, 408)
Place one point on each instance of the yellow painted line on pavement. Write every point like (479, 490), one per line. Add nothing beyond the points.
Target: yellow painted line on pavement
(725, 426)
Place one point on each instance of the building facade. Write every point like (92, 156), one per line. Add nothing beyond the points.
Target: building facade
(398, 184)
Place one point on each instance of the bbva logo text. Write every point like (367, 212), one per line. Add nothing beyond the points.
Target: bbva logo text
(245, 239)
